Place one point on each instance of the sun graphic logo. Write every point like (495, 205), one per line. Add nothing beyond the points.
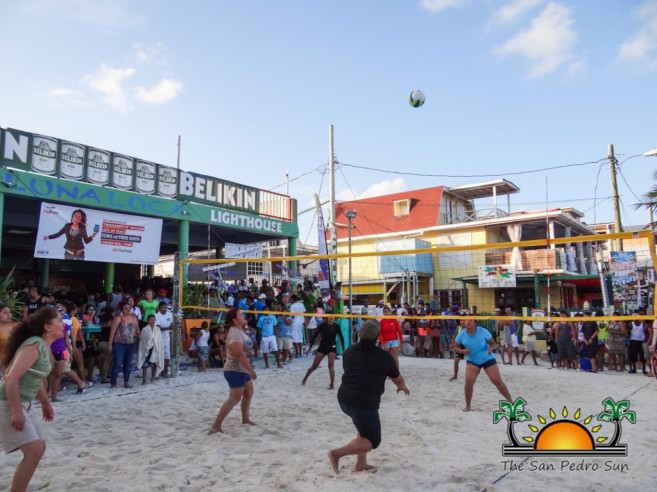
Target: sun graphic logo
(564, 436)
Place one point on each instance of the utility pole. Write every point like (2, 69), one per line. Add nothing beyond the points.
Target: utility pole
(618, 243)
(334, 227)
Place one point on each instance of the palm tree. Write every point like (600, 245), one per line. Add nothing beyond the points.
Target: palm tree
(513, 412)
(615, 412)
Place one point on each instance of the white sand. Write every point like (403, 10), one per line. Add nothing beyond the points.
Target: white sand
(154, 437)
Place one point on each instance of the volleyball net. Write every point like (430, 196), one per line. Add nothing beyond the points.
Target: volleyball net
(530, 280)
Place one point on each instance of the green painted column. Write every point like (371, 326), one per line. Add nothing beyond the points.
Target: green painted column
(183, 247)
(2, 216)
(292, 251)
(109, 277)
(45, 273)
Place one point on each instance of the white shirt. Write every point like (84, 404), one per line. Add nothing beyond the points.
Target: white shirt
(163, 320)
(297, 307)
(202, 340)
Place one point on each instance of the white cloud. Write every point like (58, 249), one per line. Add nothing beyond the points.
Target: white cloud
(513, 10)
(435, 6)
(640, 50)
(145, 53)
(64, 97)
(385, 187)
(165, 90)
(547, 43)
(108, 81)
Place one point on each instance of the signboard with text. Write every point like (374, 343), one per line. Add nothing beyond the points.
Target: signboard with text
(70, 233)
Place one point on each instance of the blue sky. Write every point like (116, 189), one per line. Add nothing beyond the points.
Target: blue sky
(252, 86)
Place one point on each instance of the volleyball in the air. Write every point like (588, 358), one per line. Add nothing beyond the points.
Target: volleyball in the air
(416, 99)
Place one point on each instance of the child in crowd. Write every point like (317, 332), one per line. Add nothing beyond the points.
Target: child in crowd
(150, 350)
(203, 347)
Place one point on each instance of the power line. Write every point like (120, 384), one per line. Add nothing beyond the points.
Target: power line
(499, 175)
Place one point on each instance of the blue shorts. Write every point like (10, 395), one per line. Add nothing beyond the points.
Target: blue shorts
(392, 343)
(367, 422)
(485, 365)
(236, 379)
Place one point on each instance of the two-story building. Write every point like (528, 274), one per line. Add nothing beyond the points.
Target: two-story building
(446, 217)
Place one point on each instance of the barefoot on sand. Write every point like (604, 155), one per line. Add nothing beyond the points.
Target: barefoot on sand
(466, 409)
(334, 462)
(249, 422)
(366, 468)
(213, 431)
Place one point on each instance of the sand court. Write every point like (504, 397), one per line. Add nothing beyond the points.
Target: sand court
(155, 436)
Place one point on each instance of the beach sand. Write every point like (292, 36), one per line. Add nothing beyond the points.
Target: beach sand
(154, 437)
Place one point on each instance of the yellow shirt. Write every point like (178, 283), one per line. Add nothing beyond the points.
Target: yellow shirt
(4, 340)
(75, 328)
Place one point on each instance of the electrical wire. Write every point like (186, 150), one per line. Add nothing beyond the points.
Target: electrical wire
(515, 173)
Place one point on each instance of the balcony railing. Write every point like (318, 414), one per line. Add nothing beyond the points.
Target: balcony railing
(475, 215)
(532, 259)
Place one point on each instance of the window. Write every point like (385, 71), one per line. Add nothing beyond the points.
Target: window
(447, 298)
(254, 268)
(402, 207)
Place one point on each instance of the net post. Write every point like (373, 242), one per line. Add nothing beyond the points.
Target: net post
(176, 333)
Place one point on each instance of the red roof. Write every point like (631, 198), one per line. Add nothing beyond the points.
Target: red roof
(376, 215)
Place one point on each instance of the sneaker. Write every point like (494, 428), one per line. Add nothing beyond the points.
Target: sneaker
(81, 391)
(89, 384)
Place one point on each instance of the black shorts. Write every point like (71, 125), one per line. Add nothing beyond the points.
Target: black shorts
(460, 356)
(593, 350)
(325, 349)
(485, 365)
(59, 355)
(367, 422)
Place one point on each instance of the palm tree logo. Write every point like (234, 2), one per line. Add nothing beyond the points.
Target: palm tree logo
(513, 412)
(564, 436)
(615, 412)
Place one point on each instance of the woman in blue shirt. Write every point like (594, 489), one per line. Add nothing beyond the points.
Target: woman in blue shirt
(477, 344)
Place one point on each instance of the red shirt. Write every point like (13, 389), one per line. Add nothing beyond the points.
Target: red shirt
(390, 330)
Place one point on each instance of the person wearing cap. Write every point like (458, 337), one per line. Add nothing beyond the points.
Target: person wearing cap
(162, 297)
(477, 344)
(378, 310)
(366, 368)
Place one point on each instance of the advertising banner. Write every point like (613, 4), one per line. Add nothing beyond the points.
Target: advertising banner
(497, 276)
(70, 233)
(625, 278)
(324, 272)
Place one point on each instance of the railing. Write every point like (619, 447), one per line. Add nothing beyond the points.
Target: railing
(475, 215)
(532, 259)
(275, 205)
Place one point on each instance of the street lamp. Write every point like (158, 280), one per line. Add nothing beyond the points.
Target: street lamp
(351, 214)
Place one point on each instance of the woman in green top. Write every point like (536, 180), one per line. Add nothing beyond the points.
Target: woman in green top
(28, 362)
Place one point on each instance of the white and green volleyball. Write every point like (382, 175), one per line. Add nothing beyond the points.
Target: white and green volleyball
(416, 99)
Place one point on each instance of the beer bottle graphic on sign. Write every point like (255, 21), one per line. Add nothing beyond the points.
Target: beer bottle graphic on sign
(71, 161)
(145, 180)
(98, 166)
(122, 171)
(167, 181)
(44, 155)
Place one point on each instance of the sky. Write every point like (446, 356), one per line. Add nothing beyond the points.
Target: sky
(532, 91)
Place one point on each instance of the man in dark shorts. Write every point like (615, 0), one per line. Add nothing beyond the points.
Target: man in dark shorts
(477, 344)
(590, 331)
(328, 332)
(366, 368)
